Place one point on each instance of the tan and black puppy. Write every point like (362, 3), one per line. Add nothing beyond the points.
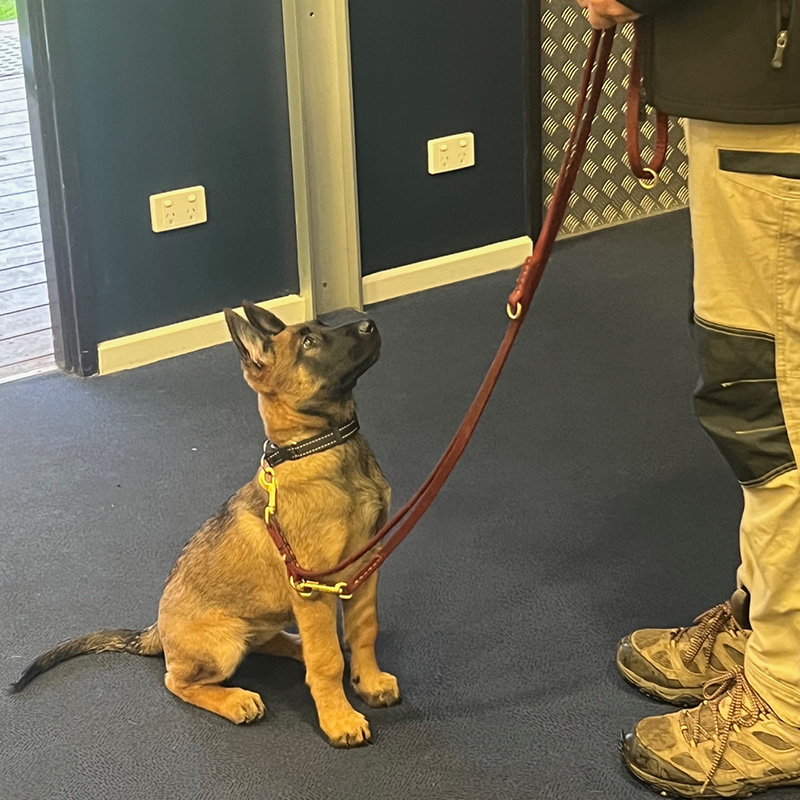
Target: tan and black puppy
(229, 594)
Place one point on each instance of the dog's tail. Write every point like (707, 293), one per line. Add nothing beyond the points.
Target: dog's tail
(143, 643)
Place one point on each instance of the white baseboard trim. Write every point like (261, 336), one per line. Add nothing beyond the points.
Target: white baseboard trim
(435, 272)
(157, 344)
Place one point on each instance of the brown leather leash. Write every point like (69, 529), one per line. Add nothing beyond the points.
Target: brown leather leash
(647, 175)
(306, 581)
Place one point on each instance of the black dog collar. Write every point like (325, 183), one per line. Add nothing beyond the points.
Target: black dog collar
(274, 455)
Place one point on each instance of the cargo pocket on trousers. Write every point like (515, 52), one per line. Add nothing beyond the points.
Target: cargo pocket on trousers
(775, 173)
(738, 403)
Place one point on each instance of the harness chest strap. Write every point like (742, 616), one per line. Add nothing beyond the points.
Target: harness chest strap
(300, 579)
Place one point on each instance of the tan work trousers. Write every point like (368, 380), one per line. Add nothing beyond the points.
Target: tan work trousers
(745, 210)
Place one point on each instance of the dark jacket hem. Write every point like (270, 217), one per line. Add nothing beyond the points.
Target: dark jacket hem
(712, 59)
(645, 6)
(734, 115)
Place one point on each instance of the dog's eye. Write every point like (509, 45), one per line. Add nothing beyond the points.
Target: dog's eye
(309, 342)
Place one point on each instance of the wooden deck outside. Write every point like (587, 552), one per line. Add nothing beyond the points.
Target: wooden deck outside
(26, 341)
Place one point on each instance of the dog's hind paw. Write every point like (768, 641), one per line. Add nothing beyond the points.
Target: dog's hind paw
(378, 691)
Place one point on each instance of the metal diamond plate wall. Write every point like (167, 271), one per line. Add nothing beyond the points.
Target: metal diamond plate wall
(606, 192)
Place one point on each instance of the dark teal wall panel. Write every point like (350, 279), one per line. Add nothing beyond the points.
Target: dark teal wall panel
(422, 70)
(173, 94)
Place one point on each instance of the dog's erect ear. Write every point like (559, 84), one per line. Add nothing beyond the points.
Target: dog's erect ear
(264, 320)
(251, 343)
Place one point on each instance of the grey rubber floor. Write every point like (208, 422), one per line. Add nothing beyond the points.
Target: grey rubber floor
(589, 503)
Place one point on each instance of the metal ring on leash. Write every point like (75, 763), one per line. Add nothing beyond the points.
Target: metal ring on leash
(516, 313)
(649, 183)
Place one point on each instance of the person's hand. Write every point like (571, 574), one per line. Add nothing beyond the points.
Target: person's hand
(607, 13)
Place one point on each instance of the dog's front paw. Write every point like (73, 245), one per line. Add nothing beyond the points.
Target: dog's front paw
(346, 728)
(242, 707)
(378, 690)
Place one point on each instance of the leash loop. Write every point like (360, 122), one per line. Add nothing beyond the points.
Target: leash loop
(646, 174)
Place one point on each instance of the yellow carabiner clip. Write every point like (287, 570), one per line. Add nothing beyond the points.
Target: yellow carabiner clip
(269, 483)
(307, 588)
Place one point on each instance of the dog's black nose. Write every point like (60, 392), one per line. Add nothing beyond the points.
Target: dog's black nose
(366, 327)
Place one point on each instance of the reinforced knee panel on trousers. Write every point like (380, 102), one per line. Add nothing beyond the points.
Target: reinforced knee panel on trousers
(738, 403)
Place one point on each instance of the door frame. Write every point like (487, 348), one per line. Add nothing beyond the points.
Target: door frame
(533, 116)
(49, 93)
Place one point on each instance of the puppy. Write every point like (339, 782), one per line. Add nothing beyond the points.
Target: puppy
(228, 594)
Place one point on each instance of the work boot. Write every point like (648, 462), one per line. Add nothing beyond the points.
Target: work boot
(674, 665)
(732, 745)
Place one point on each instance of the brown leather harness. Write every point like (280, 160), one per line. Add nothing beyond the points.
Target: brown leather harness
(307, 581)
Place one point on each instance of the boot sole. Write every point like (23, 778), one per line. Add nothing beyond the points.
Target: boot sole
(675, 697)
(669, 789)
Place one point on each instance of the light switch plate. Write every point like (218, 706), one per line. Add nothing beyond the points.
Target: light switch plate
(179, 208)
(449, 153)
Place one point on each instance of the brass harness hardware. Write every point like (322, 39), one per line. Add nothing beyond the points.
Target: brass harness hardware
(307, 588)
(269, 483)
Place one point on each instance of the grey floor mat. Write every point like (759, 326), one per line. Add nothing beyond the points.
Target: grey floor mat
(589, 503)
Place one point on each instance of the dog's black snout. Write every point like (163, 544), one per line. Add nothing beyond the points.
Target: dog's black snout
(366, 327)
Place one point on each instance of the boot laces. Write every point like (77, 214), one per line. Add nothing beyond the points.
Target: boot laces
(706, 628)
(740, 714)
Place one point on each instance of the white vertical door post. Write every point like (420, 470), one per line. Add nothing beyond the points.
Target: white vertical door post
(319, 82)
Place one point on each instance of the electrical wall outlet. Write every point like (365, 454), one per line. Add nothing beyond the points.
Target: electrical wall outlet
(178, 209)
(451, 152)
